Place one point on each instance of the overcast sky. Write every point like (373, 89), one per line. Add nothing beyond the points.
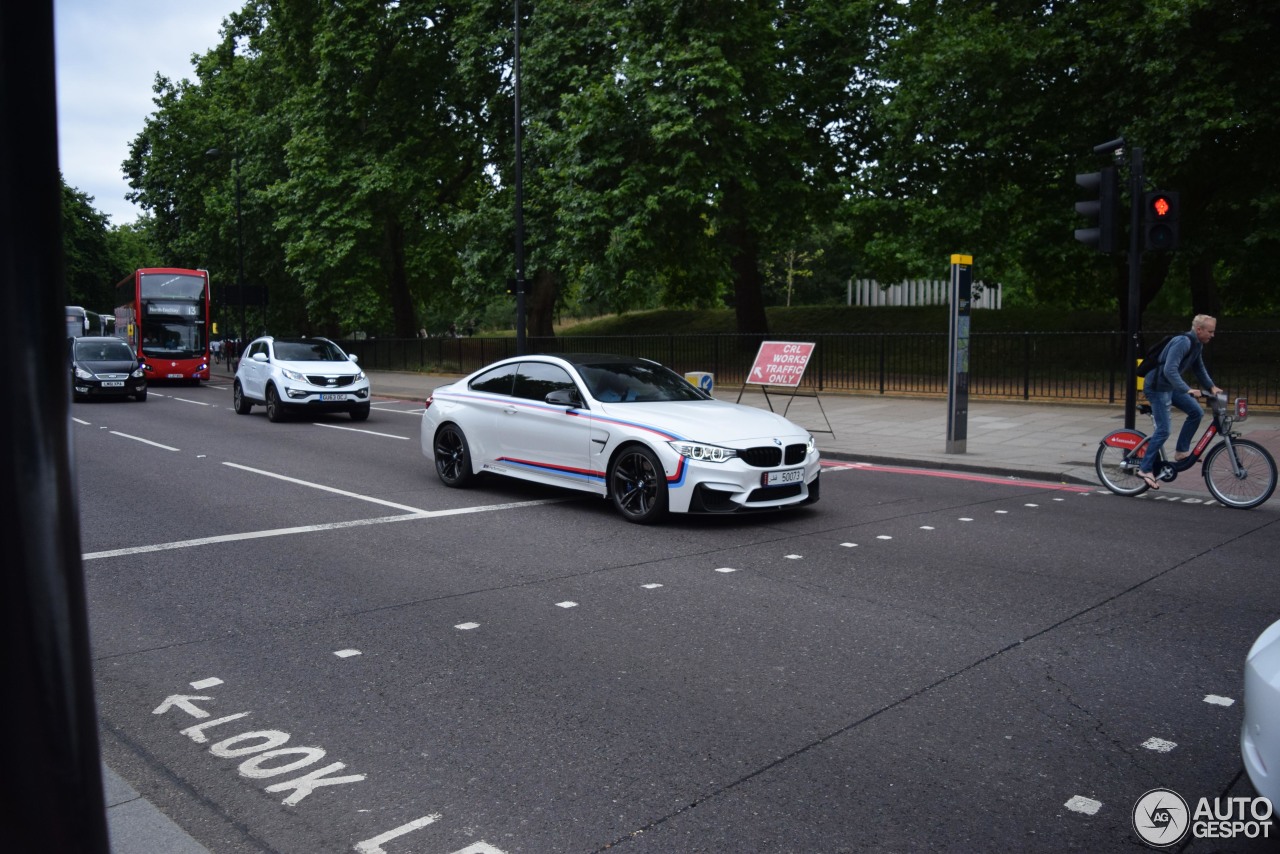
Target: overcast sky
(108, 53)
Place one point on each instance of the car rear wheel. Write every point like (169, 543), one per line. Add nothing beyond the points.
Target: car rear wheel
(638, 485)
(239, 401)
(453, 457)
(275, 409)
(360, 413)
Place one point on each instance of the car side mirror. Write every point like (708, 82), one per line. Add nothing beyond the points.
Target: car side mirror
(353, 357)
(259, 357)
(564, 397)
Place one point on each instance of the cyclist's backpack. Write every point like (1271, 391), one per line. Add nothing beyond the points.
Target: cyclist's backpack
(1154, 357)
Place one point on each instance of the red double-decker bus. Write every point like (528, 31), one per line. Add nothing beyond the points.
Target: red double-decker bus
(163, 312)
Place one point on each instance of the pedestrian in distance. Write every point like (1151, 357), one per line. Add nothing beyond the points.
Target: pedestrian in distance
(1164, 387)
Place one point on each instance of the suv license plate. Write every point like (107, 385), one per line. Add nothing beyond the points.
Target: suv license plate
(113, 383)
(332, 397)
(781, 478)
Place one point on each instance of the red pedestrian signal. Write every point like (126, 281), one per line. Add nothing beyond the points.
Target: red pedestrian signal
(1160, 221)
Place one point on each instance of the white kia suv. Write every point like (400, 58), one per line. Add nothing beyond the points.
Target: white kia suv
(297, 375)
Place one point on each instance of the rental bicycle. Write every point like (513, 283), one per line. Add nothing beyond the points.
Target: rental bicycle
(1238, 472)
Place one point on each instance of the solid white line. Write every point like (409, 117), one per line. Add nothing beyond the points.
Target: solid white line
(307, 483)
(307, 529)
(196, 402)
(358, 430)
(143, 441)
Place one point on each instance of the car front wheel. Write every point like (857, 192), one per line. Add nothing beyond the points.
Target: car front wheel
(275, 409)
(239, 401)
(360, 413)
(638, 485)
(453, 457)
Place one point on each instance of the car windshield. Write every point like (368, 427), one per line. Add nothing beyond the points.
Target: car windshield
(108, 351)
(636, 382)
(309, 351)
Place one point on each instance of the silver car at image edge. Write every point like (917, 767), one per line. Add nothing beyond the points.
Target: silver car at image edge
(1260, 731)
(625, 428)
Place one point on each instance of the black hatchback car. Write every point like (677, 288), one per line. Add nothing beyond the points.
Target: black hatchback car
(105, 367)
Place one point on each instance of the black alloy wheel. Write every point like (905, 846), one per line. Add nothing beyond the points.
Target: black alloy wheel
(453, 457)
(638, 485)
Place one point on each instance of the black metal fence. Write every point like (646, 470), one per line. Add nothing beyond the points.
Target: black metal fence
(1086, 367)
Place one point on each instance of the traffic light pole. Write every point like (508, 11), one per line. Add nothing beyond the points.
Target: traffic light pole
(1135, 287)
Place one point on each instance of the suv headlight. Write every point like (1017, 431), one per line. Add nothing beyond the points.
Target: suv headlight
(82, 374)
(703, 453)
(293, 375)
(137, 372)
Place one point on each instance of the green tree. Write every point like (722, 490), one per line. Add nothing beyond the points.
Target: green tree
(990, 110)
(690, 141)
(87, 253)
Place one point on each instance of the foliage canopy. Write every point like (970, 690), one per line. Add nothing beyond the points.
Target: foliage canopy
(361, 156)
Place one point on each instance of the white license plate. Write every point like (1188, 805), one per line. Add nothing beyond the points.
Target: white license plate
(113, 383)
(333, 397)
(175, 376)
(781, 478)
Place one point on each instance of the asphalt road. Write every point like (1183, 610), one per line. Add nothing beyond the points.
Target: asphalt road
(304, 643)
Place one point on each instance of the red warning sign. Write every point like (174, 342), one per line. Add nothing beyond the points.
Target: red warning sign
(780, 363)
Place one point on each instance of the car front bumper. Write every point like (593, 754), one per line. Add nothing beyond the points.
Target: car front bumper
(325, 400)
(95, 388)
(698, 487)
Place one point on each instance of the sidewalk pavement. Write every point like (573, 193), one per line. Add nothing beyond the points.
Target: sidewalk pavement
(1027, 439)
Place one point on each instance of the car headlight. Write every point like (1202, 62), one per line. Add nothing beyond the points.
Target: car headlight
(359, 376)
(293, 375)
(810, 446)
(82, 374)
(137, 372)
(703, 453)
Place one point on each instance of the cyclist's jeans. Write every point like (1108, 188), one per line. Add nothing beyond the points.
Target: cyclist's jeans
(1160, 401)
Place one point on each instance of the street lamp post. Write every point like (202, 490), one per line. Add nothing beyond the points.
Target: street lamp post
(235, 172)
(520, 282)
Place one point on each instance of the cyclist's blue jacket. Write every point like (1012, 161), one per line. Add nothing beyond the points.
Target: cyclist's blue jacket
(1182, 354)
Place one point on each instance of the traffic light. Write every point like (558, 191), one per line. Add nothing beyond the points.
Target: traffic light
(1160, 212)
(1103, 211)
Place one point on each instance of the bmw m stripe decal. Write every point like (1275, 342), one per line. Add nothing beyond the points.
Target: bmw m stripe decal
(674, 480)
(566, 471)
(572, 413)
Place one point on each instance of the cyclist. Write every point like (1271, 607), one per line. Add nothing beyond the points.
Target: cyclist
(1164, 386)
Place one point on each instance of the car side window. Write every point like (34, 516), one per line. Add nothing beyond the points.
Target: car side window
(500, 380)
(536, 380)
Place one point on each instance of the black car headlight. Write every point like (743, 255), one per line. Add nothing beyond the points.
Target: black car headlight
(703, 453)
(82, 374)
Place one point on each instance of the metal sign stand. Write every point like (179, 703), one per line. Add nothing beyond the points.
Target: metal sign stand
(784, 362)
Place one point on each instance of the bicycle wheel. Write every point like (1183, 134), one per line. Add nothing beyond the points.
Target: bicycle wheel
(1255, 482)
(1117, 465)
